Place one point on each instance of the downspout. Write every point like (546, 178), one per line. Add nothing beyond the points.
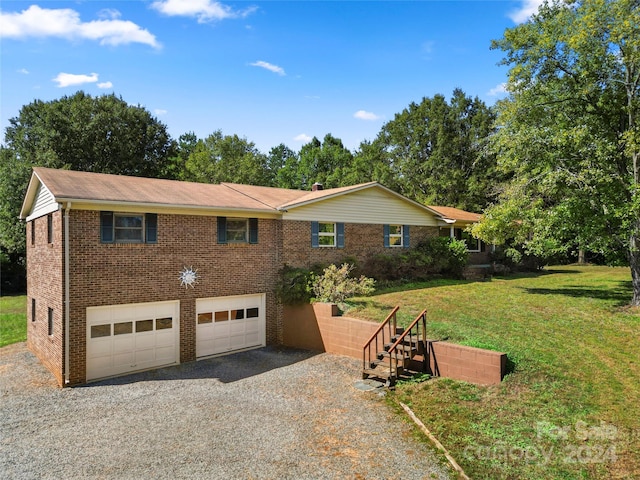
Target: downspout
(66, 293)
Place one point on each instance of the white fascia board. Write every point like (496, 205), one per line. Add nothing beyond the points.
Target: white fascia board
(54, 207)
(147, 207)
(30, 195)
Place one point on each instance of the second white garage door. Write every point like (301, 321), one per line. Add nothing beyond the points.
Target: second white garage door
(225, 324)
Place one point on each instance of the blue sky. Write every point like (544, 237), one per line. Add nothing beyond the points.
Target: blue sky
(271, 71)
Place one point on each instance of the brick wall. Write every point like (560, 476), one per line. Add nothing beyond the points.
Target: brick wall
(45, 273)
(361, 241)
(469, 364)
(110, 274)
(317, 327)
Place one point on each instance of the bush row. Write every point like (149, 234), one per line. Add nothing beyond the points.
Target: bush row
(438, 256)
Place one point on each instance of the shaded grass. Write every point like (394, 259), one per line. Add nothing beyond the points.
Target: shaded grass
(13, 319)
(575, 358)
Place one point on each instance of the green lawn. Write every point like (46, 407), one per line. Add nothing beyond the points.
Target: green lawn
(13, 319)
(569, 409)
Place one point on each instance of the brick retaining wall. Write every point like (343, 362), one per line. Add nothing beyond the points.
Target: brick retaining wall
(319, 327)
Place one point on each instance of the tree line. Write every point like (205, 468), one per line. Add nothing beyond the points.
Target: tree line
(554, 167)
(433, 152)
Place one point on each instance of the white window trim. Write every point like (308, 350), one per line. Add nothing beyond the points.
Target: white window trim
(333, 235)
(478, 248)
(396, 235)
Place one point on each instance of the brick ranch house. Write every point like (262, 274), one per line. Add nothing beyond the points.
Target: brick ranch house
(127, 273)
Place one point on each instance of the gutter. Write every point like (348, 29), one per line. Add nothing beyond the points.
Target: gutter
(151, 207)
(66, 293)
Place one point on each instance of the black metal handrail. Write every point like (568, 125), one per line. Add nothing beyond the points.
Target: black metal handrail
(381, 336)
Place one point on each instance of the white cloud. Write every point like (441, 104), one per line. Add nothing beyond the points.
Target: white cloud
(109, 14)
(303, 137)
(427, 47)
(23, 71)
(65, 23)
(528, 8)
(105, 85)
(160, 111)
(204, 10)
(498, 90)
(269, 66)
(364, 115)
(70, 79)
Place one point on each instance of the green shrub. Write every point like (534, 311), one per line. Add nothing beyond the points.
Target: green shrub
(444, 255)
(335, 285)
(294, 285)
(432, 257)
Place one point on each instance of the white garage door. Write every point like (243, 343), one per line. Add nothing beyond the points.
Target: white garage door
(225, 324)
(127, 338)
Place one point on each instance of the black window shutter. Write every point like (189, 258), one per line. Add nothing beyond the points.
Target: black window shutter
(386, 236)
(315, 228)
(222, 230)
(151, 225)
(253, 230)
(340, 235)
(106, 227)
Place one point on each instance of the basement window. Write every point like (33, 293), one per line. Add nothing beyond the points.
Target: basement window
(50, 321)
(50, 228)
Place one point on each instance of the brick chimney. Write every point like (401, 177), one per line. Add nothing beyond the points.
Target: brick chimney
(316, 186)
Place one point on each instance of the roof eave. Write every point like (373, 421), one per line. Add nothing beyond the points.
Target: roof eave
(30, 196)
(166, 206)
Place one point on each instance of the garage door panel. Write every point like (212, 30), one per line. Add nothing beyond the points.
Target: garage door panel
(252, 325)
(102, 347)
(123, 359)
(123, 344)
(225, 324)
(146, 340)
(164, 353)
(237, 328)
(127, 338)
(164, 339)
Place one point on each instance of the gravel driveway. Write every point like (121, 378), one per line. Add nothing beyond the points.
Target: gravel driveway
(263, 414)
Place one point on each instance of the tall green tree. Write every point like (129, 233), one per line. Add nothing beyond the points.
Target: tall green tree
(569, 132)
(227, 158)
(323, 162)
(175, 168)
(283, 164)
(370, 164)
(93, 134)
(78, 132)
(437, 150)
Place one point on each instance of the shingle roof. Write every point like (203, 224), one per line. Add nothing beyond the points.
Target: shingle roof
(456, 214)
(73, 185)
(282, 198)
(70, 185)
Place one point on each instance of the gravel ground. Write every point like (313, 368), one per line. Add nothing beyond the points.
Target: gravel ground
(263, 414)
